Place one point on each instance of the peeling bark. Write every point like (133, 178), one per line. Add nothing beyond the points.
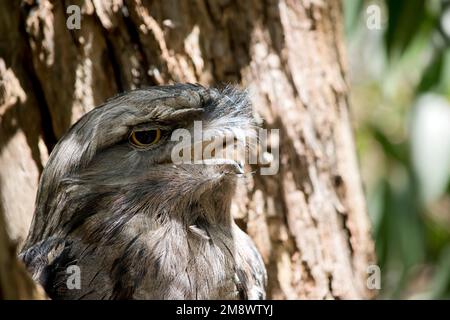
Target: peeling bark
(309, 221)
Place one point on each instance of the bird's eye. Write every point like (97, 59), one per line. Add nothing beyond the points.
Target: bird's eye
(145, 138)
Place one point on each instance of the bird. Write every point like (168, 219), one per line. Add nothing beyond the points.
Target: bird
(112, 202)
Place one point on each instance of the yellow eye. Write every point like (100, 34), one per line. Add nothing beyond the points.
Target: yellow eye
(145, 138)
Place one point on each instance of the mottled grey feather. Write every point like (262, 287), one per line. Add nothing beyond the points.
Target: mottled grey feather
(138, 226)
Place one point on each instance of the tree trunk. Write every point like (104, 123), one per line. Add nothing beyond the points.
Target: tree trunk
(15, 282)
(309, 221)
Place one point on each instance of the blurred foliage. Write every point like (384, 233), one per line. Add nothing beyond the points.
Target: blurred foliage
(400, 77)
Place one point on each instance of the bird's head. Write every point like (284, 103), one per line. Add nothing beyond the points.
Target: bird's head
(117, 161)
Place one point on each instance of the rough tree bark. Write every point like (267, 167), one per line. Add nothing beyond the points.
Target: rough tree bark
(15, 282)
(309, 221)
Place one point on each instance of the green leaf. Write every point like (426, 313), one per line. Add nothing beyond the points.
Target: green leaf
(405, 18)
(432, 74)
(394, 151)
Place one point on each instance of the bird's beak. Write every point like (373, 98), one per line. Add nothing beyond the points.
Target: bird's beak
(229, 165)
(229, 157)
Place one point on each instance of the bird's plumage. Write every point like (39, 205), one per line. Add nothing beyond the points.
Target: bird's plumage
(138, 225)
